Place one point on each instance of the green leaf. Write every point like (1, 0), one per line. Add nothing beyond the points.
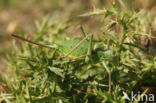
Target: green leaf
(98, 12)
(57, 71)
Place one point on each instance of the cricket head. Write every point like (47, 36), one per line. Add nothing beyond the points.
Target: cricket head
(103, 54)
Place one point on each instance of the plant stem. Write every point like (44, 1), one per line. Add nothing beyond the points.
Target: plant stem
(109, 81)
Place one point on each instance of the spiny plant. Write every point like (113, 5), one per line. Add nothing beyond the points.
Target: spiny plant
(115, 64)
(76, 48)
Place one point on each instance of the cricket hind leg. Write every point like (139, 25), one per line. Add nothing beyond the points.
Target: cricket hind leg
(89, 52)
(74, 48)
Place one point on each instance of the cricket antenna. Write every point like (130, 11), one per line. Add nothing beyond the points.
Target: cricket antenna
(29, 41)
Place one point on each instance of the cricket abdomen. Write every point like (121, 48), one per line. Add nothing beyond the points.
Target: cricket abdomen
(65, 46)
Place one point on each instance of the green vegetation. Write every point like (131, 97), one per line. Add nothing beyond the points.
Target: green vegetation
(116, 61)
